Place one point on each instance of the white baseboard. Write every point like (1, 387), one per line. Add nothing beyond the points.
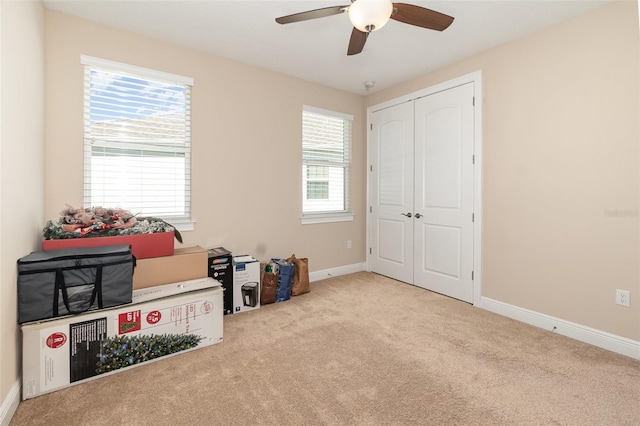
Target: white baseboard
(601, 339)
(335, 272)
(10, 403)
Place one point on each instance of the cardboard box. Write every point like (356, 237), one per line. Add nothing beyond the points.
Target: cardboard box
(142, 245)
(246, 284)
(60, 353)
(185, 264)
(220, 268)
(173, 289)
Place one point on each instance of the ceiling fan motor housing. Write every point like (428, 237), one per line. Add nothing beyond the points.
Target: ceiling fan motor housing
(370, 15)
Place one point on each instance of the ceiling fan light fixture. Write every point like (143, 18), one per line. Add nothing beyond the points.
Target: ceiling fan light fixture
(370, 15)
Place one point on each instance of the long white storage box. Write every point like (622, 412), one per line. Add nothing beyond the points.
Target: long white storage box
(166, 290)
(67, 351)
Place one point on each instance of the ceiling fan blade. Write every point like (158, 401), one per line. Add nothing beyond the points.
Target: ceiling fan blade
(311, 14)
(357, 41)
(421, 17)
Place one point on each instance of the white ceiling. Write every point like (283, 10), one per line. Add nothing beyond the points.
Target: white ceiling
(315, 50)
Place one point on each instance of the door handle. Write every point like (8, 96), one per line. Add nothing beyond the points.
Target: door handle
(406, 214)
(418, 215)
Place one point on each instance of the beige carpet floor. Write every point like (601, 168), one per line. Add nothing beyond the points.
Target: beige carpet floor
(362, 349)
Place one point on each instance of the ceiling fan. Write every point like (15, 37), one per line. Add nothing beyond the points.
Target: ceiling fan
(371, 15)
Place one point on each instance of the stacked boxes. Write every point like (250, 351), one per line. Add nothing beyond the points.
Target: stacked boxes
(175, 307)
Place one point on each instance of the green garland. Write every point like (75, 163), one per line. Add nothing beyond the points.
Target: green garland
(124, 351)
(147, 225)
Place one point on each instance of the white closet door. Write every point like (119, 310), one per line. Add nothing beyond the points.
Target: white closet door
(443, 231)
(392, 192)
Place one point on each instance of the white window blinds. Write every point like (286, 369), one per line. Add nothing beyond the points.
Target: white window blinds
(137, 140)
(326, 144)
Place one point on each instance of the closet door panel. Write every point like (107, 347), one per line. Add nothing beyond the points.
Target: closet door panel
(392, 192)
(443, 254)
(441, 153)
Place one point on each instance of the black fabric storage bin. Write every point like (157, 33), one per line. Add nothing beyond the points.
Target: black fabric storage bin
(71, 281)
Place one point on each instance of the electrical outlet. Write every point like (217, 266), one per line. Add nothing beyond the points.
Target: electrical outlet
(348, 244)
(622, 297)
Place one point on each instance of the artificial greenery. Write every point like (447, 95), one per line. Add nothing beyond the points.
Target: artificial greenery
(124, 351)
(102, 222)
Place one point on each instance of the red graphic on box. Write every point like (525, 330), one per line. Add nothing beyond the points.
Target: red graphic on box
(154, 317)
(206, 307)
(56, 340)
(129, 322)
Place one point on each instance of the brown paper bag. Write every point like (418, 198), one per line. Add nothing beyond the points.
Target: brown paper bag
(300, 276)
(269, 284)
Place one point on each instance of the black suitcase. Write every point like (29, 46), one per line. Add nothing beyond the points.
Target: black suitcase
(71, 281)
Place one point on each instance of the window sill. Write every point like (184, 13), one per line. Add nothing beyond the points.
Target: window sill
(326, 218)
(183, 226)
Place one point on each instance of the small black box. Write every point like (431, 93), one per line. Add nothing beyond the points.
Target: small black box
(221, 269)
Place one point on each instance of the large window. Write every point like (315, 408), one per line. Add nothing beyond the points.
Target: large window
(326, 144)
(137, 140)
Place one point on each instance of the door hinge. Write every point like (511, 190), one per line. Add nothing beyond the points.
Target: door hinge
(471, 275)
(473, 217)
(369, 250)
(370, 209)
(371, 167)
(473, 102)
(371, 126)
(473, 159)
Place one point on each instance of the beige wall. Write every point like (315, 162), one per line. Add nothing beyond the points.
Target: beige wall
(21, 164)
(560, 149)
(246, 142)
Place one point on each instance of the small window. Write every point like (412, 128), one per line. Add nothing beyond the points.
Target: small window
(137, 140)
(326, 144)
(317, 183)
